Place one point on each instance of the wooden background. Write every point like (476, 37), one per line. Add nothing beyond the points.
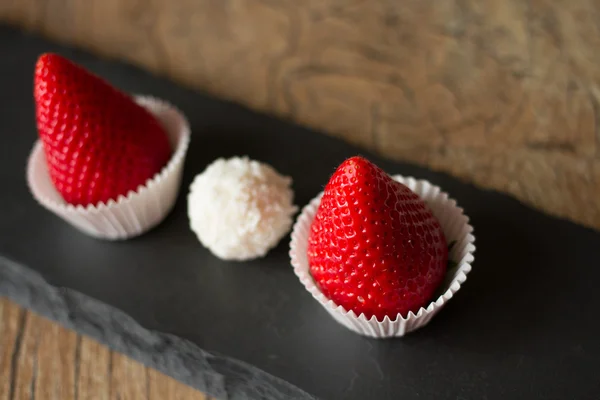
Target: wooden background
(502, 93)
(39, 359)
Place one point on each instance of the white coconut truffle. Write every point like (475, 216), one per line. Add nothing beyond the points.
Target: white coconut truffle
(240, 208)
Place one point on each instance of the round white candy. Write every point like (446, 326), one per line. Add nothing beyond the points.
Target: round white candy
(240, 208)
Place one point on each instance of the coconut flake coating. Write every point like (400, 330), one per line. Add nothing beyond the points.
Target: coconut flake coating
(240, 208)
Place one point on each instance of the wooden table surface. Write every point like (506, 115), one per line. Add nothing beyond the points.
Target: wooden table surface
(502, 93)
(40, 359)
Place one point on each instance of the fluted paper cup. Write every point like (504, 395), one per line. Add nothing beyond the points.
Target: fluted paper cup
(134, 213)
(457, 229)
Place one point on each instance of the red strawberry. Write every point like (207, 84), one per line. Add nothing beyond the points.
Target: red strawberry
(374, 246)
(98, 142)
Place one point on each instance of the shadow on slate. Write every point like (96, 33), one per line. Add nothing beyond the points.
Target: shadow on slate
(524, 325)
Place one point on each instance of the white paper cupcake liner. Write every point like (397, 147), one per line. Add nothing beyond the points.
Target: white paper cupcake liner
(456, 229)
(138, 211)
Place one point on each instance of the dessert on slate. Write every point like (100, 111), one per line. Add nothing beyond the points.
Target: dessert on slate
(114, 160)
(372, 250)
(99, 144)
(240, 208)
(375, 247)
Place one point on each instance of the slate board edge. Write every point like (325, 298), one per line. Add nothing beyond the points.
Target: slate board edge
(217, 376)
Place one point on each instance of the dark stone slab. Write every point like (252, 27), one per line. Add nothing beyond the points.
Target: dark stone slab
(213, 374)
(524, 326)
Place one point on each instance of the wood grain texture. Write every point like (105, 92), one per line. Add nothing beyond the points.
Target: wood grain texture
(41, 360)
(502, 93)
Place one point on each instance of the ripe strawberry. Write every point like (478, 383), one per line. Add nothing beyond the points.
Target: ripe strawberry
(98, 142)
(374, 245)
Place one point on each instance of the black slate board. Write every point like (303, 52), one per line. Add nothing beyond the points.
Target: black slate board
(524, 325)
